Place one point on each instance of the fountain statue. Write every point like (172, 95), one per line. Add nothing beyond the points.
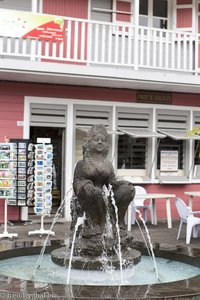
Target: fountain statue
(98, 207)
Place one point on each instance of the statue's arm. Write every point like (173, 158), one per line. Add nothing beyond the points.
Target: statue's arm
(81, 185)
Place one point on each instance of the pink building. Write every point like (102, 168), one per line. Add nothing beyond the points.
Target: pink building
(132, 65)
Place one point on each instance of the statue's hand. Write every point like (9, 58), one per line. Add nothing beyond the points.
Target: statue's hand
(89, 189)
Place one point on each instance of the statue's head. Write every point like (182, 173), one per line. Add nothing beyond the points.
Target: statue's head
(97, 141)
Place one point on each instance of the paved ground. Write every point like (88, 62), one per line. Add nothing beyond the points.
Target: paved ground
(159, 233)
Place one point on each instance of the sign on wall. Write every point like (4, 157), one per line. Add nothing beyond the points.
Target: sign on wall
(169, 161)
(22, 24)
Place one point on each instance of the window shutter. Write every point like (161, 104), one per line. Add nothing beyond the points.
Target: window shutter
(177, 120)
(47, 115)
(86, 116)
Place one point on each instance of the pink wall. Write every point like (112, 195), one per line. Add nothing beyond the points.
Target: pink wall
(70, 8)
(12, 110)
(13, 212)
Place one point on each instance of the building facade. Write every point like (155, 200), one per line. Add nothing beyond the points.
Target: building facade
(131, 65)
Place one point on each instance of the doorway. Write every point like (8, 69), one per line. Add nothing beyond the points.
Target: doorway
(57, 140)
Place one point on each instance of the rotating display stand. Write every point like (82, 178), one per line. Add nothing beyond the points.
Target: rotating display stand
(7, 184)
(43, 158)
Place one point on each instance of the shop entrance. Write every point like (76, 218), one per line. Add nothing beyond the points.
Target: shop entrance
(57, 140)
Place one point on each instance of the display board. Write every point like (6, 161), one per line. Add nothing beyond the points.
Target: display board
(42, 155)
(7, 175)
(7, 181)
(20, 196)
(43, 178)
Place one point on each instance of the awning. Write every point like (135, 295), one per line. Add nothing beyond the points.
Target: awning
(141, 133)
(85, 129)
(179, 134)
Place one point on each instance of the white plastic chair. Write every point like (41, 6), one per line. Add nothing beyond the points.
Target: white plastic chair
(187, 216)
(138, 204)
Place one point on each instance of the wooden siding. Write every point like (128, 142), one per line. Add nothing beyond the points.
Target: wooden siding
(184, 14)
(12, 110)
(126, 7)
(70, 8)
(184, 18)
(184, 2)
(13, 212)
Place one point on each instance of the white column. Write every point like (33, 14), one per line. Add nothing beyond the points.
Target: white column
(136, 25)
(34, 6)
(69, 159)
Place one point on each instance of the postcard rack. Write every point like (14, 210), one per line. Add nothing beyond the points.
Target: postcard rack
(43, 160)
(7, 182)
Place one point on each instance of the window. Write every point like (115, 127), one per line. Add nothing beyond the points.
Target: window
(174, 125)
(112, 10)
(154, 13)
(131, 152)
(135, 153)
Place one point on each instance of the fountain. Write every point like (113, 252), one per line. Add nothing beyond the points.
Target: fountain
(103, 200)
(98, 242)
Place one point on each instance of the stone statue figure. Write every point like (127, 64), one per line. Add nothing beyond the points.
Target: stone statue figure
(91, 175)
(103, 211)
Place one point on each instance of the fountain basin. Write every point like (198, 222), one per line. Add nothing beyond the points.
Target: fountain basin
(61, 257)
(184, 289)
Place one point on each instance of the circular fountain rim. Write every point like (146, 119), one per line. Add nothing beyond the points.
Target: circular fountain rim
(188, 287)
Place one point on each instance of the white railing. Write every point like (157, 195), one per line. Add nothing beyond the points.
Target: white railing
(95, 43)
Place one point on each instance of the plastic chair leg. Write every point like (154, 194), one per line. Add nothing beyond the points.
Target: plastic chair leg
(145, 214)
(179, 229)
(152, 216)
(195, 231)
(188, 233)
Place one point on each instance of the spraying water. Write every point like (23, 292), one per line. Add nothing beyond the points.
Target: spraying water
(150, 243)
(79, 222)
(57, 215)
(110, 191)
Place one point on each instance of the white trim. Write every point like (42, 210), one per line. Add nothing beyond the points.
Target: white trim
(89, 9)
(69, 157)
(26, 118)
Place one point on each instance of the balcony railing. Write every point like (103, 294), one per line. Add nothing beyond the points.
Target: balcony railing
(95, 43)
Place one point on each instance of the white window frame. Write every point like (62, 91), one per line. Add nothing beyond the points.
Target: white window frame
(150, 16)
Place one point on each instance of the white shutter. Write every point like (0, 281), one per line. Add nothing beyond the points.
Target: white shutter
(88, 115)
(47, 115)
(172, 119)
(133, 118)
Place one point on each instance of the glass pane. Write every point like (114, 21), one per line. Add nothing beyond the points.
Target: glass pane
(143, 9)
(159, 23)
(131, 152)
(97, 14)
(160, 8)
(143, 21)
